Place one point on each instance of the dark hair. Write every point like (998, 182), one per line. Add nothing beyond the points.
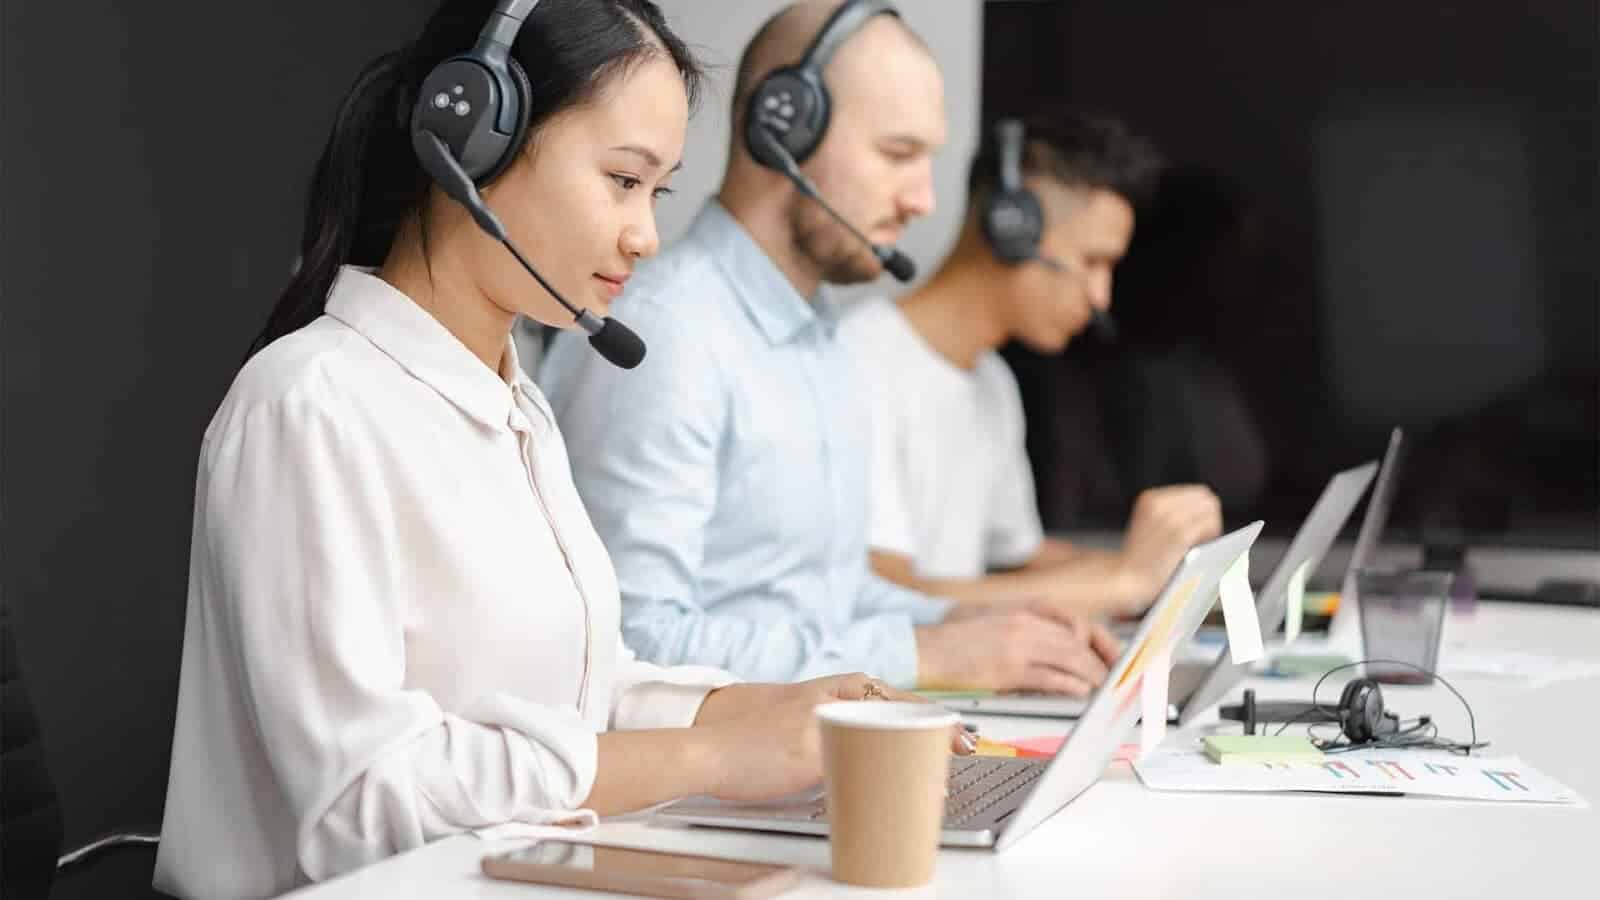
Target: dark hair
(1078, 150)
(368, 181)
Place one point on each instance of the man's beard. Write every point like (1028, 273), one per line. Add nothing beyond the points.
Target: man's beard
(838, 256)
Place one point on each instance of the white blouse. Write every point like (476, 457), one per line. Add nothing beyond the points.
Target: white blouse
(401, 624)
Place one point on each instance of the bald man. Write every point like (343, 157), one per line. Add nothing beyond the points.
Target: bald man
(727, 474)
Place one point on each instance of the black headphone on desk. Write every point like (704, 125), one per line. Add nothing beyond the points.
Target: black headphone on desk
(1012, 219)
(792, 102)
(1362, 718)
(1363, 722)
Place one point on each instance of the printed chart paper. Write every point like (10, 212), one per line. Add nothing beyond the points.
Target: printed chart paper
(1502, 779)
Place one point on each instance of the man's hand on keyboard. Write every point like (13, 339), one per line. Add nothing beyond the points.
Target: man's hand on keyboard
(1015, 650)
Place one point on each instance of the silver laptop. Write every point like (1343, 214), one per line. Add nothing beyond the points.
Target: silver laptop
(1186, 677)
(1377, 516)
(1196, 685)
(1322, 527)
(995, 801)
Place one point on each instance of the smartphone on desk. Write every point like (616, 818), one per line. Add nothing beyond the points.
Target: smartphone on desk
(645, 872)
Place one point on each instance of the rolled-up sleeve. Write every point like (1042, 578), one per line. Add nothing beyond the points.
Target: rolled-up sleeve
(652, 696)
(770, 647)
(311, 621)
(881, 596)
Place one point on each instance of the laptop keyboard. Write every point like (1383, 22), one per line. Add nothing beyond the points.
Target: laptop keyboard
(977, 785)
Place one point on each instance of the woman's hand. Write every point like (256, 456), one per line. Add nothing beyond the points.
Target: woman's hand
(738, 700)
(762, 757)
(763, 740)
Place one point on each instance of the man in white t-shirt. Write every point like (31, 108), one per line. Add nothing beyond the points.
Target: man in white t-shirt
(1051, 212)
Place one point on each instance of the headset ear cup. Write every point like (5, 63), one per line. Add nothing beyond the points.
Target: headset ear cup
(522, 90)
(817, 111)
(753, 142)
(1348, 723)
(1373, 713)
(1013, 222)
(1361, 710)
(790, 106)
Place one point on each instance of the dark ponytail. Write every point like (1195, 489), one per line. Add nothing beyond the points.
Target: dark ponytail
(367, 181)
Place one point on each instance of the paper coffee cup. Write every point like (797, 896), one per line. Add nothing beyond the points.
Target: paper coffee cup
(885, 766)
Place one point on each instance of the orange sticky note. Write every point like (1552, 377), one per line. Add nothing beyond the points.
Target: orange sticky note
(1046, 746)
(987, 747)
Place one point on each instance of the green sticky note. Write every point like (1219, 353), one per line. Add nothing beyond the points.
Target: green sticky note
(1231, 749)
(1291, 665)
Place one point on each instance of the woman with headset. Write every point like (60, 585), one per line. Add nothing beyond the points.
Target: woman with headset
(401, 624)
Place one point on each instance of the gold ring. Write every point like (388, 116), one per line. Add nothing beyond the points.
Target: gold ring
(873, 689)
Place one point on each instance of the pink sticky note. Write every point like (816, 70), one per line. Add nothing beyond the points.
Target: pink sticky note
(1039, 746)
(1047, 746)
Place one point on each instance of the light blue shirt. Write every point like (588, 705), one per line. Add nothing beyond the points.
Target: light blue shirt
(727, 474)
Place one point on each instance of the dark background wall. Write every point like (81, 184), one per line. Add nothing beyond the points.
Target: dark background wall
(1420, 184)
(154, 163)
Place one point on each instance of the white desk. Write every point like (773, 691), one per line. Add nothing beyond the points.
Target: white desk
(1120, 840)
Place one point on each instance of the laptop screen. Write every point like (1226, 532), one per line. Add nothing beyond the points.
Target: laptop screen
(1321, 528)
(1190, 594)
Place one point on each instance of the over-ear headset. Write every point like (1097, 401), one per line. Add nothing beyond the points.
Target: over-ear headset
(469, 121)
(477, 102)
(792, 103)
(1012, 219)
(1362, 718)
(1360, 715)
(1363, 722)
(787, 116)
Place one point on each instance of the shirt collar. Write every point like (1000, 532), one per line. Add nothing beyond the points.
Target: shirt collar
(766, 293)
(409, 335)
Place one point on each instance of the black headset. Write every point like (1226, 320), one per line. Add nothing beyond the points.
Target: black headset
(469, 121)
(1012, 219)
(1363, 721)
(1362, 718)
(792, 103)
(477, 102)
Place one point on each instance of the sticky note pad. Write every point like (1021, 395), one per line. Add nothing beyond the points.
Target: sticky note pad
(1153, 701)
(936, 696)
(987, 747)
(1300, 665)
(1239, 612)
(1295, 612)
(1038, 747)
(1232, 749)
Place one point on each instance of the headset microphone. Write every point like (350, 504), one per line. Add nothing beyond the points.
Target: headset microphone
(610, 338)
(893, 261)
(1104, 326)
